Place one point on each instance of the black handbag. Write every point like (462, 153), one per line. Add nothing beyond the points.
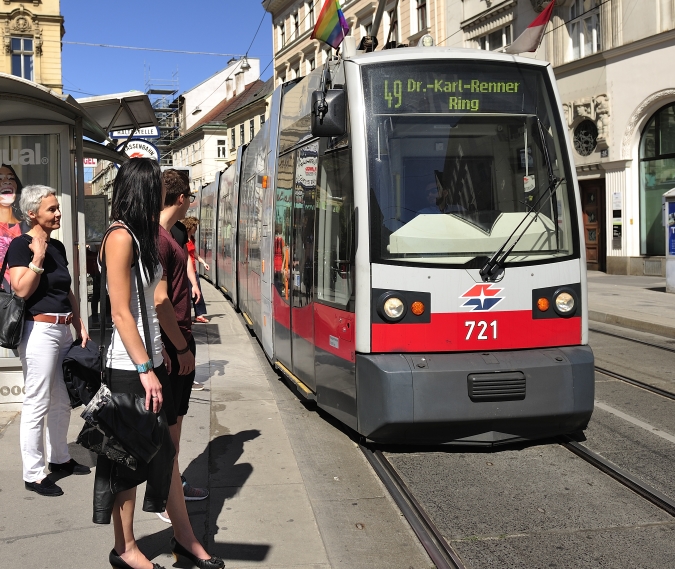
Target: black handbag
(12, 309)
(118, 425)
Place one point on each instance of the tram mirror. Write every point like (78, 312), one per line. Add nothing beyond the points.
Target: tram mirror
(329, 113)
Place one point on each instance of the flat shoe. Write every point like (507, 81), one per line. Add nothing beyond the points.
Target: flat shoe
(44, 488)
(70, 467)
(201, 319)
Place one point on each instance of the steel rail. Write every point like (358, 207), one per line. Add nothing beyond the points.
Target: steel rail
(632, 482)
(595, 331)
(637, 383)
(442, 554)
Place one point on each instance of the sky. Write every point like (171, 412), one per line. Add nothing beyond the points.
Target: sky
(215, 26)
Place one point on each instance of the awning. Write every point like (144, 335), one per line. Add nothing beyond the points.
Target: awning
(25, 102)
(121, 111)
(100, 152)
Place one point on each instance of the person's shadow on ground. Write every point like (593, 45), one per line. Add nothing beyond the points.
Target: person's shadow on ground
(226, 479)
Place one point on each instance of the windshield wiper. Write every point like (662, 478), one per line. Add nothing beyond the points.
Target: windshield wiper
(495, 264)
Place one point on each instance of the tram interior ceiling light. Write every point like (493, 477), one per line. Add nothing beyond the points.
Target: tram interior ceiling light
(197, 110)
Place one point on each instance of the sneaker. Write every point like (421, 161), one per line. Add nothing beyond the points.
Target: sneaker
(45, 488)
(196, 386)
(70, 467)
(193, 494)
(164, 517)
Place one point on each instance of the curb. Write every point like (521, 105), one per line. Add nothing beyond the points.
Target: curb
(632, 323)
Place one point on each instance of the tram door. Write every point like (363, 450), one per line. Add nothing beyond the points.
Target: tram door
(246, 197)
(302, 264)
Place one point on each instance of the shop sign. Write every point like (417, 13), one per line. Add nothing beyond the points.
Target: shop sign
(149, 132)
(140, 148)
(89, 162)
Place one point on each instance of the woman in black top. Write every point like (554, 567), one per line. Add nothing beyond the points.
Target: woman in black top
(39, 273)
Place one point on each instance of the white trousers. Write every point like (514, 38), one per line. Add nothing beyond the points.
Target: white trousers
(42, 350)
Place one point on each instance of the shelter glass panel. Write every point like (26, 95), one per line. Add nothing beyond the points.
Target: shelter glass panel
(25, 160)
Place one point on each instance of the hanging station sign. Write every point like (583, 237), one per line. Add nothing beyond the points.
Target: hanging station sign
(149, 132)
(139, 148)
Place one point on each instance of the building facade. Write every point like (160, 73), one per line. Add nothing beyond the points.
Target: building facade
(32, 33)
(211, 144)
(295, 54)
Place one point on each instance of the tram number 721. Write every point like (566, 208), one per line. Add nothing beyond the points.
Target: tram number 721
(481, 328)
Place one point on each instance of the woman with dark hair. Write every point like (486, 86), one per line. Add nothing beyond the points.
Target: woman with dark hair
(10, 213)
(136, 368)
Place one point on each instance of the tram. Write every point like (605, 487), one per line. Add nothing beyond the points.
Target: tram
(404, 238)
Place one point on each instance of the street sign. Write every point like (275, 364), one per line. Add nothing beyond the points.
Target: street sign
(138, 148)
(149, 132)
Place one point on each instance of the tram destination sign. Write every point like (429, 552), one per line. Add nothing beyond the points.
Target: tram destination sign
(452, 87)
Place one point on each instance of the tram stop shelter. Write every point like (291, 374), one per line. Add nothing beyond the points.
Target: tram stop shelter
(44, 137)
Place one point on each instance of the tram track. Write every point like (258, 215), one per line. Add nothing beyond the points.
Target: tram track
(438, 549)
(620, 475)
(636, 383)
(634, 340)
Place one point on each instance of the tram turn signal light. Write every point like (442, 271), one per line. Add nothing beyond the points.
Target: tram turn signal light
(417, 308)
(543, 304)
(264, 182)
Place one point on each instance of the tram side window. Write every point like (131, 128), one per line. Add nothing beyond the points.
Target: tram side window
(282, 226)
(335, 231)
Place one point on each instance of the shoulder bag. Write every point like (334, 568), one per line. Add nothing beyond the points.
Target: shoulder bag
(12, 309)
(117, 424)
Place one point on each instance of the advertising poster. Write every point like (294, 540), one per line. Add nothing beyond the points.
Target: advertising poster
(24, 160)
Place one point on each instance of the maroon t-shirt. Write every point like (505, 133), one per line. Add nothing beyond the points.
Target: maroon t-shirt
(174, 262)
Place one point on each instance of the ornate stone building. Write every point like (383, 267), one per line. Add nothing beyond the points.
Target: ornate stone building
(31, 34)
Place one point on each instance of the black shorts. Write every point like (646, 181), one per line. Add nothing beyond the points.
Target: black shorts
(127, 381)
(181, 384)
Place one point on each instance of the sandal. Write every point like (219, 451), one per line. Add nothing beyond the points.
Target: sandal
(201, 319)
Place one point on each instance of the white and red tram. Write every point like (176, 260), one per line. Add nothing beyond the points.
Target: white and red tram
(411, 255)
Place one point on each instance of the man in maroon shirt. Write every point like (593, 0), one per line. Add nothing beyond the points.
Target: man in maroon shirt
(174, 306)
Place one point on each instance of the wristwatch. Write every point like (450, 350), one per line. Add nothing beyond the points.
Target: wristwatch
(144, 368)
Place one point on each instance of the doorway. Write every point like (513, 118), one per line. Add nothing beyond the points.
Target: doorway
(593, 210)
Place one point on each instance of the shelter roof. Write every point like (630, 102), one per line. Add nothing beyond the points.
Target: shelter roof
(26, 102)
(121, 111)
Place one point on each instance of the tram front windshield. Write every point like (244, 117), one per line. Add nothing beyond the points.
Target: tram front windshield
(457, 160)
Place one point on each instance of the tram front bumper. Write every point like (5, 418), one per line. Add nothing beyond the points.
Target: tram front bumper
(474, 398)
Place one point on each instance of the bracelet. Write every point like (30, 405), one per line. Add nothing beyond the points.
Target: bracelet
(37, 270)
(184, 350)
(144, 367)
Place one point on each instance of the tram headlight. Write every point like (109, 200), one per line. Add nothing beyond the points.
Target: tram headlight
(394, 308)
(565, 303)
(391, 307)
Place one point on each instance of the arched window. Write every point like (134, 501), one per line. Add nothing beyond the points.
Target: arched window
(657, 176)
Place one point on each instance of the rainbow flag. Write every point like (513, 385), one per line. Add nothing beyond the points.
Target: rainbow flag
(331, 26)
